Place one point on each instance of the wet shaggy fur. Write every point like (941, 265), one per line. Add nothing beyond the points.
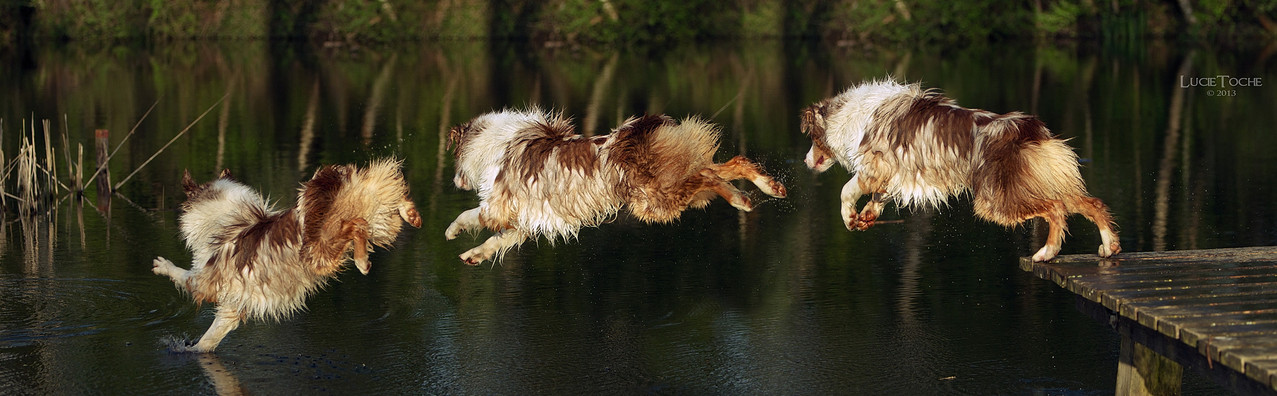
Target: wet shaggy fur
(536, 177)
(256, 262)
(919, 147)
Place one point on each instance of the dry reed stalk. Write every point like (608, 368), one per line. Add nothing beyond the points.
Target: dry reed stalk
(3, 177)
(26, 171)
(66, 151)
(79, 169)
(51, 172)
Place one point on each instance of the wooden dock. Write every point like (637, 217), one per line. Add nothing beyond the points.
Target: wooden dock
(1213, 311)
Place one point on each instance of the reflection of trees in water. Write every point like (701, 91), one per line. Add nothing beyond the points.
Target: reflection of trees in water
(1176, 119)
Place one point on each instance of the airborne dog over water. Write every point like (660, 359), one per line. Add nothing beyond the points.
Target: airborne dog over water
(536, 177)
(256, 262)
(919, 148)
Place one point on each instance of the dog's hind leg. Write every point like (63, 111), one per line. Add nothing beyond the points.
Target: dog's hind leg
(408, 211)
(740, 167)
(1054, 215)
(495, 245)
(227, 319)
(713, 182)
(161, 266)
(466, 221)
(1097, 212)
(356, 232)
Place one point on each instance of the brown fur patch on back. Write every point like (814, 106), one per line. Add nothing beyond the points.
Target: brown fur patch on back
(556, 138)
(318, 195)
(631, 146)
(951, 126)
(279, 230)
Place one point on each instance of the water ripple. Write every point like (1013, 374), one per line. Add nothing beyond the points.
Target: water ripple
(38, 309)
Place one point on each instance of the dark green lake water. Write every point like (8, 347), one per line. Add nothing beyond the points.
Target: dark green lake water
(778, 301)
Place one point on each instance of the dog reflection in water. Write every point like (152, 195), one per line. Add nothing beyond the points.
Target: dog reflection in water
(536, 177)
(256, 262)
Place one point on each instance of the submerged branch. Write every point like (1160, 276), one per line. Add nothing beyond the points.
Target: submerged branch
(121, 144)
(170, 142)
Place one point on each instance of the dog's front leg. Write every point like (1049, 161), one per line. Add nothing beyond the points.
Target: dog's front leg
(227, 319)
(161, 266)
(495, 245)
(851, 193)
(869, 213)
(466, 221)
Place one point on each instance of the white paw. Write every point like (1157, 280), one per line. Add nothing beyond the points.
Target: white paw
(771, 187)
(1046, 253)
(452, 232)
(1109, 249)
(475, 256)
(161, 266)
(742, 202)
(849, 216)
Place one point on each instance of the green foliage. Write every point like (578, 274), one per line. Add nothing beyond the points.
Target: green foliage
(634, 21)
(762, 18)
(90, 19)
(358, 21)
(631, 21)
(1060, 19)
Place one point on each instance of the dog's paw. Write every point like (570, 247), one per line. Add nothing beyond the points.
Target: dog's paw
(1108, 250)
(1047, 253)
(161, 266)
(865, 220)
(410, 215)
(849, 215)
(474, 256)
(452, 232)
(773, 188)
(742, 202)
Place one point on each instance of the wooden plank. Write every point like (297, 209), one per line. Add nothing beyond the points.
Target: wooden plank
(1220, 302)
(1176, 350)
(1226, 254)
(1139, 303)
(1205, 323)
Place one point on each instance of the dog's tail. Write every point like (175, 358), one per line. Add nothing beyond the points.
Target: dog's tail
(1023, 167)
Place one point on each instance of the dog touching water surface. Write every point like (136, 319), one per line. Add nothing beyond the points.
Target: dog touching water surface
(918, 147)
(536, 177)
(255, 262)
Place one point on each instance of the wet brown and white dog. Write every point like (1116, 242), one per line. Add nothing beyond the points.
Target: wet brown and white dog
(536, 177)
(919, 148)
(259, 263)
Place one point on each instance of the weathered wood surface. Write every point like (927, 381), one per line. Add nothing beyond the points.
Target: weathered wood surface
(1221, 302)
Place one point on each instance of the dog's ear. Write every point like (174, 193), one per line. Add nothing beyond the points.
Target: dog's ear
(225, 174)
(457, 135)
(812, 118)
(812, 122)
(188, 184)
